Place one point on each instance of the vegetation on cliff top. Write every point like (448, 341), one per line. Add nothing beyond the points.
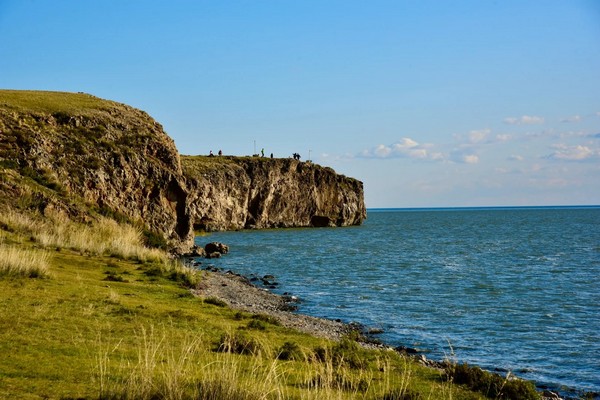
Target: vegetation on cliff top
(52, 102)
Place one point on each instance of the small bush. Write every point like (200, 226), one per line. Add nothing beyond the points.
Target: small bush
(215, 302)
(266, 318)
(290, 351)
(348, 352)
(492, 385)
(239, 343)
(111, 276)
(154, 240)
(256, 324)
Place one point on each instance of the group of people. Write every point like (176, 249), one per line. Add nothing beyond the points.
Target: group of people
(262, 154)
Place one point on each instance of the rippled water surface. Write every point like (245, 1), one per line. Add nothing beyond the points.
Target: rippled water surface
(514, 289)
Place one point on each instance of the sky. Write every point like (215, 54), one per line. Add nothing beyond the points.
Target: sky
(428, 103)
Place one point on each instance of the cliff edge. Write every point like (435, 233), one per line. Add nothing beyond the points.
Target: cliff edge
(85, 156)
(254, 192)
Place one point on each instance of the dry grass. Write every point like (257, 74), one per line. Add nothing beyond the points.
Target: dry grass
(190, 368)
(17, 261)
(102, 237)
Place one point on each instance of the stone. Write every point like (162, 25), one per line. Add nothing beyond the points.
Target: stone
(216, 247)
(406, 350)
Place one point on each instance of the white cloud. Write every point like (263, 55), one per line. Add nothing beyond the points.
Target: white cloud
(524, 120)
(516, 157)
(478, 136)
(470, 159)
(382, 151)
(573, 153)
(572, 118)
(405, 148)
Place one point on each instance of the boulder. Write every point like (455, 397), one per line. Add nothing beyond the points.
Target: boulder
(216, 247)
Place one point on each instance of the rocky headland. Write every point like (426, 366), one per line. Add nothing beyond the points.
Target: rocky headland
(83, 156)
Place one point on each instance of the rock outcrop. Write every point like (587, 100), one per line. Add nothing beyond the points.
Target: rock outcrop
(228, 193)
(79, 153)
(84, 156)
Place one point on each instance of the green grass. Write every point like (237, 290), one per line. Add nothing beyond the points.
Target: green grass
(51, 102)
(140, 334)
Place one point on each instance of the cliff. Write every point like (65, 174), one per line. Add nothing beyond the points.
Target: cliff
(253, 192)
(86, 156)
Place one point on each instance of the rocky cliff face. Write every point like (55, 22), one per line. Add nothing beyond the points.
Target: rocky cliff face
(85, 155)
(252, 192)
(78, 153)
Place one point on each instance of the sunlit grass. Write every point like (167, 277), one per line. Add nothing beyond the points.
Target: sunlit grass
(101, 237)
(47, 101)
(192, 369)
(26, 262)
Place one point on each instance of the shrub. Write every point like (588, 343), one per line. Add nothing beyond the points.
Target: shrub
(348, 352)
(256, 324)
(266, 318)
(215, 302)
(290, 351)
(492, 385)
(239, 343)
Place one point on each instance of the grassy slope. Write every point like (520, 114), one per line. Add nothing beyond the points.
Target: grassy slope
(58, 334)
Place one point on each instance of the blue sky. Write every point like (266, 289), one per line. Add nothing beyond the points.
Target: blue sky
(429, 103)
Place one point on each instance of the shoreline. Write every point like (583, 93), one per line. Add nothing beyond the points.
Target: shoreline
(240, 293)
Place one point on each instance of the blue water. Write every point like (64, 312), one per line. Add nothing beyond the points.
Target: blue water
(510, 289)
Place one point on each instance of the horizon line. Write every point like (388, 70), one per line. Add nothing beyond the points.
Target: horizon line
(481, 207)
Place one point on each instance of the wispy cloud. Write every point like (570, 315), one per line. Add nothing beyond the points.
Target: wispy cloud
(524, 120)
(470, 158)
(573, 153)
(405, 148)
(464, 154)
(572, 118)
(479, 135)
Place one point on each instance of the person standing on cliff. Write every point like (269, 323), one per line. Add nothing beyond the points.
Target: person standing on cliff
(262, 152)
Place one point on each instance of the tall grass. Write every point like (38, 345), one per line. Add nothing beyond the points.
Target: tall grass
(190, 368)
(101, 237)
(29, 263)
